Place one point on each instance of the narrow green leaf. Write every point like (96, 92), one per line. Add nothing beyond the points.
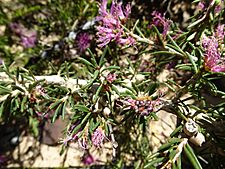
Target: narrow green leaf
(62, 150)
(144, 82)
(172, 154)
(114, 88)
(174, 50)
(82, 108)
(163, 53)
(95, 97)
(179, 166)
(64, 109)
(5, 90)
(1, 109)
(25, 10)
(154, 116)
(31, 111)
(34, 125)
(86, 62)
(191, 156)
(12, 105)
(176, 46)
(106, 129)
(96, 74)
(186, 66)
(159, 35)
(191, 58)
(191, 36)
(152, 88)
(196, 22)
(6, 69)
(57, 111)
(176, 130)
(169, 144)
(53, 105)
(129, 88)
(82, 122)
(174, 166)
(92, 57)
(170, 87)
(134, 86)
(102, 59)
(139, 31)
(16, 87)
(152, 162)
(17, 105)
(111, 68)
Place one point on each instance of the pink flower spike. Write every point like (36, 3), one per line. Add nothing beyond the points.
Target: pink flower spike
(83, 41)
(110, 28)
(212, 60)
(98, 137)
(160, 20)
(220, 33)
(127, 10)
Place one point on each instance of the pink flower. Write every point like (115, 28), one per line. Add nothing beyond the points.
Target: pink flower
(83, 41)
(111, 77)
(88, 159)
(111, 28)
(220, 33)
(76, 137)
(201, 5)
(218, 8)
(160, 20)
(98, 137)
(218, 5)
(28, 38)
(16, 28)
(212, 59)
(143, 107)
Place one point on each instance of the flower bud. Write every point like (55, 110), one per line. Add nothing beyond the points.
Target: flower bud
(190, 128)
(197, 139)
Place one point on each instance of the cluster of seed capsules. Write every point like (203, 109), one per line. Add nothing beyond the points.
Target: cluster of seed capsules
(143, 107)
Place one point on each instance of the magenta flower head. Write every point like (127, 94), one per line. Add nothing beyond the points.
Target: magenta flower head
(201, 5)
(83, 41)
(212, 60)
(98, 137)
(159, 20)
(16, 28)
(111, 77)
(111, 24)
(144, 106)
(88, 159)
(28, 39)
